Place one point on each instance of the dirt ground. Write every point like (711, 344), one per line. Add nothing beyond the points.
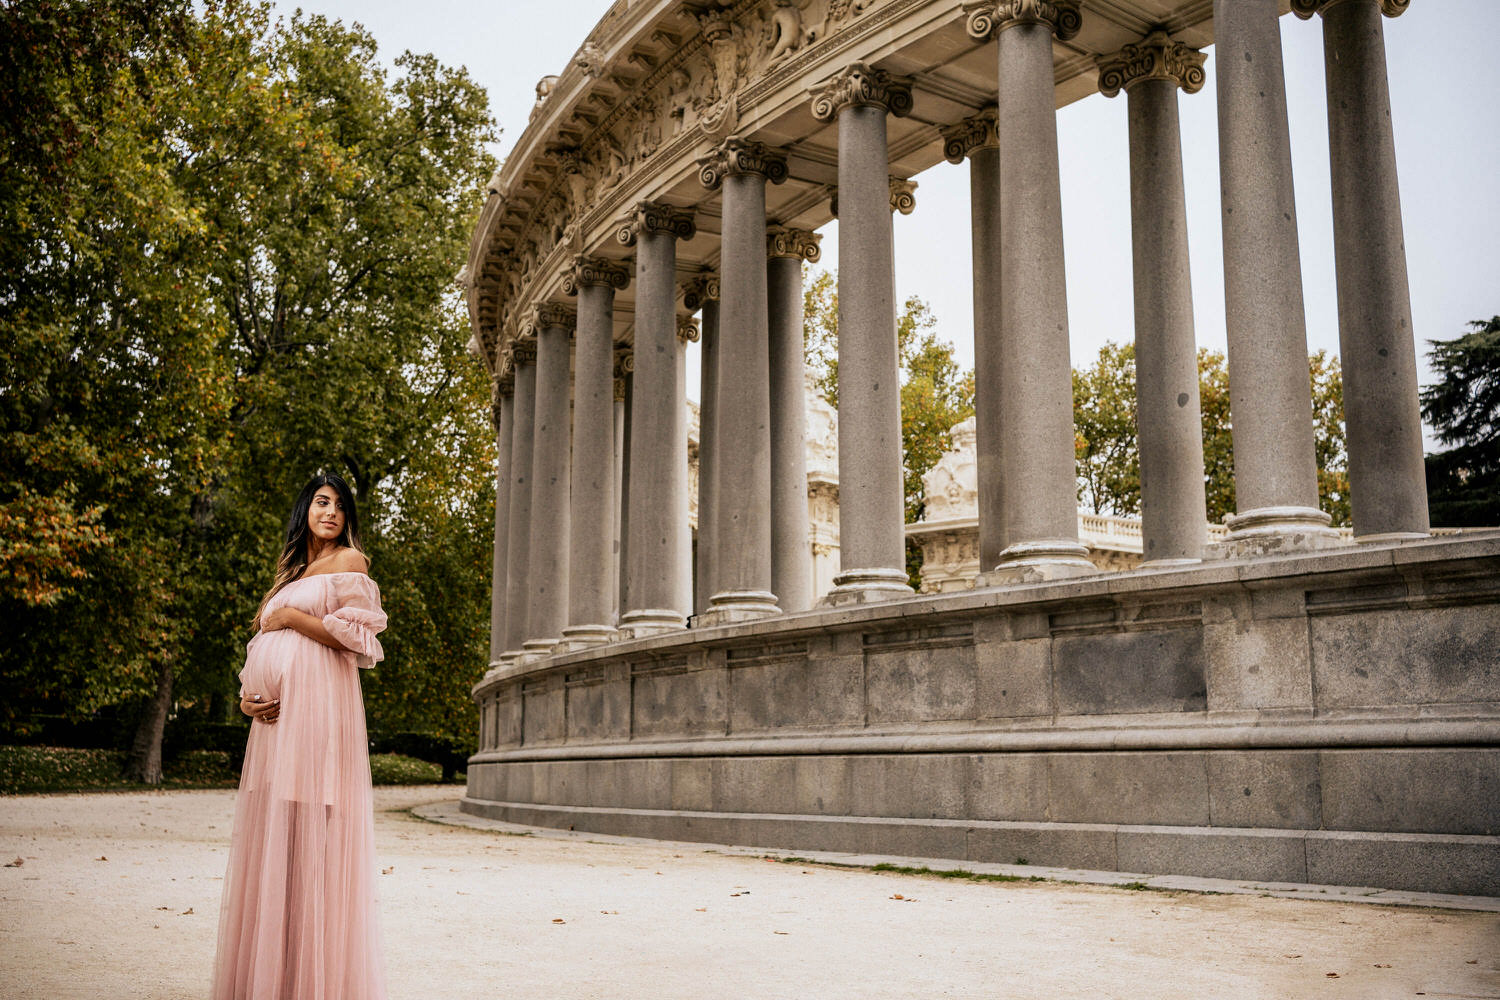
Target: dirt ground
(116, 896)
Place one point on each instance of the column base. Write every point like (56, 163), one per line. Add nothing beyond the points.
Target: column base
(650, 621)
(1039, 561)
(585, 637)
(867, 586)
(733, 606)
(536, 649)
(1269, 531)
(507, 659)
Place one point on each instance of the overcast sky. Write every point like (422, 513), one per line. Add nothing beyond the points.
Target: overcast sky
(1447, 128)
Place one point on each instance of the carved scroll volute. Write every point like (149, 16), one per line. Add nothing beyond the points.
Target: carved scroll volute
(975, 132)
(741, 156)
(654, 217)
(595, 271)
(984, 17)
(783, 241)
(523, 348)
(624, 365)
(1307, 8)
(555, 314)
(861, 84)
(687, 329)
(703, 288)
(1155, 57)
(502, 387)
(903, 195)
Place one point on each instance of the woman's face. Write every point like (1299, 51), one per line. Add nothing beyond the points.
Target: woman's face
(325, 518)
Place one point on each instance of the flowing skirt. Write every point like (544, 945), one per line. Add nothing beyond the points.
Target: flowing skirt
(298, 919)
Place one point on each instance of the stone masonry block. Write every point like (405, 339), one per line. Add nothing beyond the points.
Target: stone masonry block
(1014, 678)
(1253, 664)
(1420, 790)
(1122, 672)
(1421, 862)
(800, 693)
(1402, 656)
(1168, 788)
(683, 703)
(912, 684)
(1264, 788)
(923, 786)
(1061, 845)
(1008, 786)
(1210, 852)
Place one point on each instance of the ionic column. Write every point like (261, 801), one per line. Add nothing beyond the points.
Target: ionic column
(624, 365)
(518, 524)
(1037, 482)
(871, 511)
(505, 419)
(1387, 475)
(741, 584)
(591, 560)
(703, 293)
(1168, 421)
(791, 552)
(656, 501)
(978, 139)
(547, 609)
(1270, 393)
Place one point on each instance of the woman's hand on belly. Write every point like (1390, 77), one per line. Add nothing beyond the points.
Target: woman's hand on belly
(261, 710)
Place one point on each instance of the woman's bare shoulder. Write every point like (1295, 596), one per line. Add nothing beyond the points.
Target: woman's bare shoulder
(348, 561)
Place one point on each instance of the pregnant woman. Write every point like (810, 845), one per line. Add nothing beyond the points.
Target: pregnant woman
(298, 918)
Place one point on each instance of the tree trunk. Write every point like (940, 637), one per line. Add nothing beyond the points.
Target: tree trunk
(144, 762)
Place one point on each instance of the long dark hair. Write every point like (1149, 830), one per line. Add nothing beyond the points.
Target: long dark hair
(293, 560)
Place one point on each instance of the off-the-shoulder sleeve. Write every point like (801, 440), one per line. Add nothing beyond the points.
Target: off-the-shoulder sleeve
(357, 617)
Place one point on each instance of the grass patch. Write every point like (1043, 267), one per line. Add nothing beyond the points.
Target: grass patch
(27, 769)
(954, 873)
(394, 769)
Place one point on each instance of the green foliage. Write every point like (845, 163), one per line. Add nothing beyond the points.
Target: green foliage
(229, 248)
(1109, 472)
(1463, 408)
(28, 769)
(393, 769)
(1104, 440)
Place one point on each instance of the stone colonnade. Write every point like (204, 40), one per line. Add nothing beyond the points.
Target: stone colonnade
(597, 547)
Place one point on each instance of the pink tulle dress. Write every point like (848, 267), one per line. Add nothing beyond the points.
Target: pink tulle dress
(298, 919)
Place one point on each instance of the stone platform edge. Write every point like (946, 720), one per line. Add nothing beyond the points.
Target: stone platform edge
(1467, 865)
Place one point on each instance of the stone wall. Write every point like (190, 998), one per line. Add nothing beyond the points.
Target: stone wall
(1329, 717)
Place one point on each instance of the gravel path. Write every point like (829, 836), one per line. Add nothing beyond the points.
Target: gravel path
(117, 897)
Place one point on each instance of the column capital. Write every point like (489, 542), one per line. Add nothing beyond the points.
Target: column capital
(736, 155)
(1307, 8)
(595, 271)
(975, 132)
(523, 352)
(555, 314)
(988, 17)
(687, 329)
(783, 241)
(1156, 57)
(700, 289)
(624, 365)
(655, 218)
(862, 85)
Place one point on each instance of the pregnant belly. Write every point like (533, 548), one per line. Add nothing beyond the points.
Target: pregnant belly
(266, 661)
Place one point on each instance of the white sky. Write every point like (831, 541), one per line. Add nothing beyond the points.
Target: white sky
(1440, 60)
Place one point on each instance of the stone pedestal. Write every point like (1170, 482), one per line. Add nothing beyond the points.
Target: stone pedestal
(547, 569)
(1168, 419)
(1036, 388)
(1387, 475)
(591, 567)
(656, 518)
(873, 563)
(1270, 394)
(518, 524)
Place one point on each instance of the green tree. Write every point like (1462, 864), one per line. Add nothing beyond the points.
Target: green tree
(1218, 436)
(229, 260)
(1329, 449)
(1109, 467)
(1463, 409)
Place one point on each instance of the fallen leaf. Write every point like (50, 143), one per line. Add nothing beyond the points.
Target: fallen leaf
(702, 909)
(186, 912)
(898, 896)
(163, 907)
(782, 933)
(1381, 965)
(610, 913)
(387, 871)
(1472, 961)
(558, 920)
(101, 858)
(16, 863)
(1331, 975)
(1291, 956)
